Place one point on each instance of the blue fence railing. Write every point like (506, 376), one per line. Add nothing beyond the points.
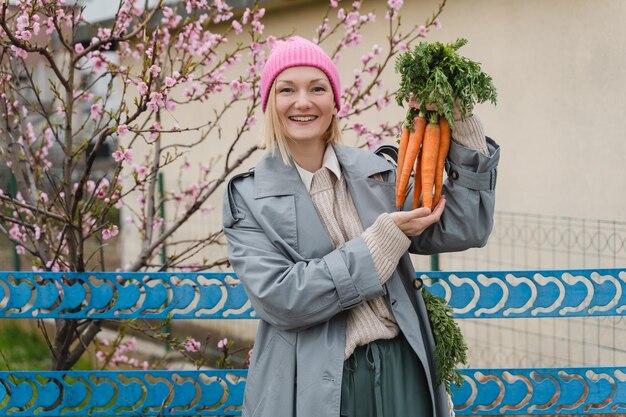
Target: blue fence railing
(557, 293)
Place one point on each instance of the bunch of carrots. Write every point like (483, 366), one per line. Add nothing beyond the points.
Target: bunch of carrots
(426, 147)
(433, 76)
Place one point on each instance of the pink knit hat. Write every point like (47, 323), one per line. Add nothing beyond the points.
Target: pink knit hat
(295, 52)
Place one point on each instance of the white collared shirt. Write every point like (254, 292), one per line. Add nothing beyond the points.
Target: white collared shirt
(329, 161)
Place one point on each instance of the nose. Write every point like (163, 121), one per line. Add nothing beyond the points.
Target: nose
(302, 101)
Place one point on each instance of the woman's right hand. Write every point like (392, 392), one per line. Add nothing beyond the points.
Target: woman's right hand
(414, 222)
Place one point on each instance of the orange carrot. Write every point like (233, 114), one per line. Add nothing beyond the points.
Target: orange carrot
(444, 147)
(415, 140)
(430, 148)
(404, 141)
(417, 181)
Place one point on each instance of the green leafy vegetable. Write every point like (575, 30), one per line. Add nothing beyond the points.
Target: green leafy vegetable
(450, 347)
(435, 73)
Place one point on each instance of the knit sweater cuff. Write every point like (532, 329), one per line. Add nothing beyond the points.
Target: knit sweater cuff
(470, 133)
(387, 243)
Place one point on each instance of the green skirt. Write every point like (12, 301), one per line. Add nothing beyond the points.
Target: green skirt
(385, 379)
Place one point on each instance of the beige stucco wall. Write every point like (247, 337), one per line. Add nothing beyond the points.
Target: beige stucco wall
(561, 111)
(558, 66)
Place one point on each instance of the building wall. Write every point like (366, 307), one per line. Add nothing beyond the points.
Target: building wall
(560, 116)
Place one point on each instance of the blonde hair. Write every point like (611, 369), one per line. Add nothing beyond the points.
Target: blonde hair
(274, 136)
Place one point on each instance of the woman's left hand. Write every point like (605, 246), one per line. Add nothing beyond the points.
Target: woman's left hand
(431, 107)
(414, 222)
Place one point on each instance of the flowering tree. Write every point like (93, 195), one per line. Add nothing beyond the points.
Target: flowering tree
(70, 89)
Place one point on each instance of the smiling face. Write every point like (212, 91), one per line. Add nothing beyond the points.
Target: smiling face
(305, 103)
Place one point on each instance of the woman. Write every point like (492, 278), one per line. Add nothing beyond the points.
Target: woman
(324, 257)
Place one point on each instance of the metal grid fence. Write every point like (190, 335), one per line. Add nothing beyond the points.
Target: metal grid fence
(526, 241)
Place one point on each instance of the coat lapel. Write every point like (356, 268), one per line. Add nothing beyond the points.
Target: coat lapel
(301, 226)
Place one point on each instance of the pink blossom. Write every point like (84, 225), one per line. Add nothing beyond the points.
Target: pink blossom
(141, 170)
(49, 23)
(122, 130)
(123, 155)
(22, 22)
(352, 19)
(192, 345)
(21, 53)
(54, 267)
(157, 223)
(334, 4)
(20, 250)
(110, 232)
(15, 233)
(323, 28)
(79, 48)
(257, 27)
(131, 344)
(382, 102)
(154, 70)
(237, 27)
(437, 23)
(156, 101)
(24, 35)
(167, 13)
(359, 128)
(367, 58)
(193, 190)
(374, 141)
(222, 344)
(345, 109)
(169, 82)
(422, 30)
(142, 87)
(101, 356)
(96, 111)
(105, 342)
(154, 130)
(395, 4)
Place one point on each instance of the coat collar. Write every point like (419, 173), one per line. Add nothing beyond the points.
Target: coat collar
(272, 177)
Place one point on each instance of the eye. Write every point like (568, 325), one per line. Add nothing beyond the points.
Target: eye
(319, 89)
(285, 90)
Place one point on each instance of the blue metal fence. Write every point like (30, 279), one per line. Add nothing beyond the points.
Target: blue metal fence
(512, 294)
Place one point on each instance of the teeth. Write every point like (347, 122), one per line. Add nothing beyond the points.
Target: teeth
(303, 118)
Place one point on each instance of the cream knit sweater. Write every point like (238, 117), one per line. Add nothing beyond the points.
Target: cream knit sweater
(373, 319)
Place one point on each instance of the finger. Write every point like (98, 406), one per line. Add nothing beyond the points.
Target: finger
(418, 225)
(439, 207)
(418, 213)
(403, 217)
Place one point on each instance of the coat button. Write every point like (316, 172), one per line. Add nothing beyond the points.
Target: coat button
(417, 283)
(454, 174)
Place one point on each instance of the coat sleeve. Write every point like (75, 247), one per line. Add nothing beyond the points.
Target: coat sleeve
(294, 295)
(467, 220)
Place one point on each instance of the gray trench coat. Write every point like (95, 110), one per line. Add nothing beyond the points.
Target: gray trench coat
(301, 288)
